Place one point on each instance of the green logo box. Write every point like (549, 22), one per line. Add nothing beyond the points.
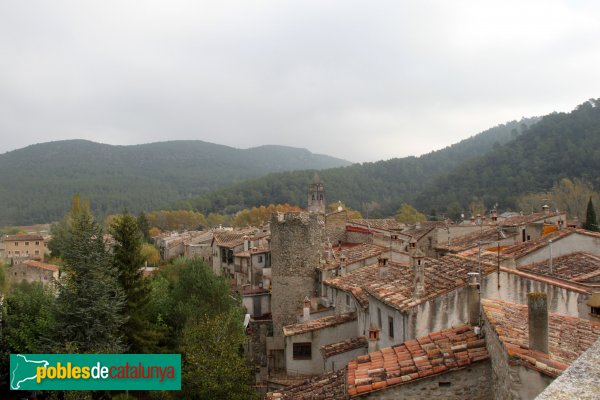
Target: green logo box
(95, 371)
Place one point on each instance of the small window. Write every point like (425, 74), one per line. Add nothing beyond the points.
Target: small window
(347, 299)
(37, 243)
(391, 326)
(596, 311)
(26, 243)
(260, 259)
(444, 384)
(302, 351)
(16, 244)
(37, 252)
(528, 238)
(379, 317)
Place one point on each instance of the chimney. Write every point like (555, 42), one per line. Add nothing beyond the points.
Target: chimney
(383, 267)
(306, 310)
(546, 209)
(494, 215)
(537, 304)
(342, 265)
(373, 339)
(246, 243)
(473, 300)
(418, 261)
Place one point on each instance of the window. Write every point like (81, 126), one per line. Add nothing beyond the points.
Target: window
(260, 259)
(37, 252)
(26, 243)
(37, 243)
(16, 244)
(379, 317)
(444, 384)
(347, 299)
(302, 351)
(596, 311)
(391, 326)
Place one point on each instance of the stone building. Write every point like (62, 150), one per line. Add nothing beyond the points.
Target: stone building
(296, 240)
(22, 247)
(32, 271)
(316, 196)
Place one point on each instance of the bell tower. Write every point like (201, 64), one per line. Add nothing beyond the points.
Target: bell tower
(316, 195)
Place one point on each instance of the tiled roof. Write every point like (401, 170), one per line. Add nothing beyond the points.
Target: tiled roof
(353, 282)
(518, 220)
(41, 265)
(417, 231)
(385, 224)
(568, 337)
(353, 254)
(343, 346)
(17, 238)
(329, 386)
(441, 276)
(522, 249)
(577, 267)
(429, 355)
(232, 238)
(255, 250)
(471, 240)
(317, 324)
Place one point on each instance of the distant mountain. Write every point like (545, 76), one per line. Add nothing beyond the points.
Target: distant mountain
(389, 183)
(560, 145)
(37, 182)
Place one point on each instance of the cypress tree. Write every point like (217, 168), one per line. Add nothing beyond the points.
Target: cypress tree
(90, 300)
(591, 223)
(128, 262)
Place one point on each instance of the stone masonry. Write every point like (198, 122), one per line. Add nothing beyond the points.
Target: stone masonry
(296, 240)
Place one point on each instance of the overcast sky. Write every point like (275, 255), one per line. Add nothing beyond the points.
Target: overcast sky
(360, 80)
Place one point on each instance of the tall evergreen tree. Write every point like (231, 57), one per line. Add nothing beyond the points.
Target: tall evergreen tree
(90, 300)
(591, 223)
(144, 226)
(128, 262)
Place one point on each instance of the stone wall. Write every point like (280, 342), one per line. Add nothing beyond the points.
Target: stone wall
(296, 240)
(511, 381)
(21, 272)
(471, 383)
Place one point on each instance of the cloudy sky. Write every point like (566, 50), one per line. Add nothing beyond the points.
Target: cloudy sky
(360, 80)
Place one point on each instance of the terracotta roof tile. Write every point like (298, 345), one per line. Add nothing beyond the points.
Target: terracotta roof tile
(568, 337)
(343, 346)
(429, 355)
(16, 238)
(353, 254)
(471, 240)
(330, 386)
(41, 265)
(522, 249)
(518, 220)
(576, 267)
(385, 224)
(319, 323)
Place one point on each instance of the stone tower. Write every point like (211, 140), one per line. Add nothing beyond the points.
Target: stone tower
(316, 195)
(296, 240)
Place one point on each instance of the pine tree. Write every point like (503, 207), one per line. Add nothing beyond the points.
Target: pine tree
(128, 262)
(144, 226)
(90, 300)
(591, 223)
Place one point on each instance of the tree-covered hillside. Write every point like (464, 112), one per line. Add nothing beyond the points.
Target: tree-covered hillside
(388, 183)
(560, 145)
(37, 182)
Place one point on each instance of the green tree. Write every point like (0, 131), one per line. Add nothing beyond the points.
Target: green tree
(90, 300)
(409, 215)
(144, 226)
(211, 349)
(591, 223)
(128, 262)
(28, 317)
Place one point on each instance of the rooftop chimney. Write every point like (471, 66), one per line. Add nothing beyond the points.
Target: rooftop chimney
(383, 267)
(473, 300)
(373, 339)
(494, 215)
(342, 265)
(418, 261)
(546, 209)
(306, 310)
(537, 303)
(246, 243)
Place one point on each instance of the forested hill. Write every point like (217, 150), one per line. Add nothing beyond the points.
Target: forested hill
(37, 182)
(387, 182)
(560, 145)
